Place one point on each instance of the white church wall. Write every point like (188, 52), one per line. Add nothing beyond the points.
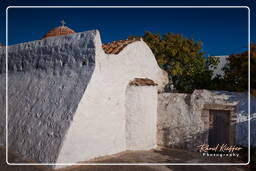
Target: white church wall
(3, 109)
(46, 81)
(101, 112)
(2, 96)
(141, 117)
(67, 97)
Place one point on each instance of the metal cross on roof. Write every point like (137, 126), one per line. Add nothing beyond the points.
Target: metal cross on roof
(62, 22)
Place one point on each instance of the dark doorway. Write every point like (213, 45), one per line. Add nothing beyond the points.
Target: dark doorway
(219, 132)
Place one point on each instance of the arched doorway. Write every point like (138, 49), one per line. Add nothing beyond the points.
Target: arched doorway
(141, 114)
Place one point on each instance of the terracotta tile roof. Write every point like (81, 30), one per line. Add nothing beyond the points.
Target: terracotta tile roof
(142, 82)
(116, 46)
(58, 31)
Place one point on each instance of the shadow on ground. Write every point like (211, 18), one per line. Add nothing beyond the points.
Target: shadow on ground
(162, 155)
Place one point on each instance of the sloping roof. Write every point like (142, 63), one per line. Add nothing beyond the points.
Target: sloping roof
(116, 46)
(142, 82)
(58, 31)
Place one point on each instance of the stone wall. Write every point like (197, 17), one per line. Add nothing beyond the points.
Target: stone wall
(177, 126)
(183, 119)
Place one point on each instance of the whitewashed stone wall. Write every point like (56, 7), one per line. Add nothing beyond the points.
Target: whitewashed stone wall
(67, 97)
(101, 112)
(175, 124)
(46, 81)
(181, 120)
(3, 108)
(141, 117)
(2, 97)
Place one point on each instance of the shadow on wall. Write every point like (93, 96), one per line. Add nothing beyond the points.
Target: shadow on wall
(196, 139)
(242, 107)
(182, 122)
(242, 118)
(185, 142)
(194, 142)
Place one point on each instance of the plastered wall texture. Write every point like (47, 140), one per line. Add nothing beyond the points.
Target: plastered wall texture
(101, 112)
(181, 120)
(66, 97)
(46, 81)
(141, 117)
(2, 96)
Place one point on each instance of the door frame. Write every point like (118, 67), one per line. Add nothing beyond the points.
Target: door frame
(233, 118)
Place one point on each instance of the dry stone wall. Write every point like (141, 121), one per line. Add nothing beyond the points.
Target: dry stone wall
(183, 121)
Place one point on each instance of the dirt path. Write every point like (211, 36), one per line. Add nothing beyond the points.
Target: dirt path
(152, 156)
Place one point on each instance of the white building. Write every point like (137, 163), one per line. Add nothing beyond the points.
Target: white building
(71, 99)
(218, 70)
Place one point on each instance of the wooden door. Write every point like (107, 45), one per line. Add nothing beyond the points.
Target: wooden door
(219, 132)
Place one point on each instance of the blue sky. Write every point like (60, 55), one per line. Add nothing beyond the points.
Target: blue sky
(222, 31)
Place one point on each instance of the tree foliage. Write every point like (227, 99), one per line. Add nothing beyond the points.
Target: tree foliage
(182, 58)
(188, 69)
(236, 71)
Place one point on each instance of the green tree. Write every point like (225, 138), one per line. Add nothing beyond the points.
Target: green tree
(182, 58)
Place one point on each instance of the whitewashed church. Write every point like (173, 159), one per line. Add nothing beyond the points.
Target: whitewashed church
(72, 99)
